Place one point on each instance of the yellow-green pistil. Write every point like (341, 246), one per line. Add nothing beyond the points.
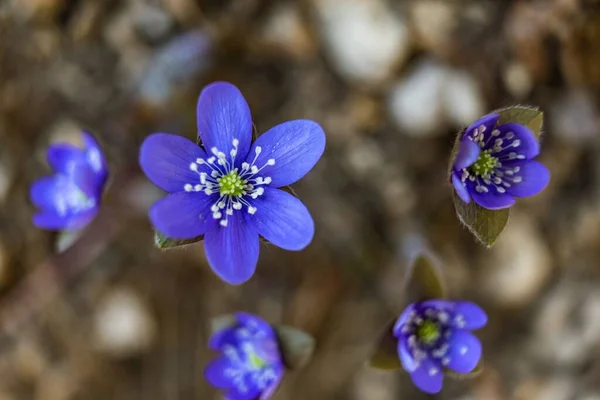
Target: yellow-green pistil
(231, 184)
(428, 332)
(485, 164)
(256, 361)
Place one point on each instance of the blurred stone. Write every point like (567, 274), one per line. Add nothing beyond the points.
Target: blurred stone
(517, 267)
(557, 388)
(518, 80)
(123, 324)
(574, 117)
(463, 100)
(66, 131)
(174, 65)
(416, 102)
(433, 22)
(366, 41)
(151, 21)
(38, 9)
(7, 177)
(86, 21)
(6, 268)
(57, 384)
(185, 11)
(580, 55)
(374, 384)
(30, 361)
(286, 31)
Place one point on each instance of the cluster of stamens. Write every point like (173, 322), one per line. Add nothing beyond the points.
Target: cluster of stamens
(488, 170)
(233, 184)
(427, 333)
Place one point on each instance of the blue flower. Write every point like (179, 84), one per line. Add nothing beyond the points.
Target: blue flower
(229, 193)
(494, 164)
(250, 365)
(70, 199)
(434, 335)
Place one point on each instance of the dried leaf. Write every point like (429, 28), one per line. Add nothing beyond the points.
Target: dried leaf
(165, 243)
(524, 115)
(385, 355)
(297, 347)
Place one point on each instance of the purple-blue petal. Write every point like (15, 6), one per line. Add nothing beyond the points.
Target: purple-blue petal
(283, 220)
(50, 220)
(428, 377)
(471, 315)
(251, 392)
(468, 152)
(460, 188)
(272, 388)
(402, 319)
(489, 121)
(296, 146)
(253, 322)
(492, 200)
(408, 361)
(183, 215)
(464, 351)
(223, 115)
(222, 337)
(59, 192)
(232, 251)
(64, 158)
(533, 175)
(215, 373)
(166, 159)
(521, 136)
(94, 156)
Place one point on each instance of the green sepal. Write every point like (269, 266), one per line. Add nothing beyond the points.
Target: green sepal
(385, 356)
(487, 225)
(165, 243)
(297, 346)
(423, 280)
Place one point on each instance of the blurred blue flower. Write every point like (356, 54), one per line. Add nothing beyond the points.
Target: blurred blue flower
(250, 365)
(434, 335)
(494, 164)
(70, 199)
(228, 193)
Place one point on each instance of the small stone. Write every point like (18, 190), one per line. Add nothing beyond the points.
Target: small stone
(366, 40)
(285, 30)
(433, 22)
(416, 102)
(123, 324)
(518, 80)
(463, 100)
(374, 384)
(516, 269)
(152, 22)
(574, 117)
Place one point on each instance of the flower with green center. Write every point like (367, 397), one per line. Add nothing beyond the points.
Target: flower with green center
(250, 365)
(231, 184)
(434, 335)
(495, 164)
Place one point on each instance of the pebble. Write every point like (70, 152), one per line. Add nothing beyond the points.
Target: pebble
(463, 100)
(123, 324)
(286, 31)
(366, 40)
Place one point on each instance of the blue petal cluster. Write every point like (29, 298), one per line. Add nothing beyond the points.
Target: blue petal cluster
(250, 365)
(228, 190)
(434, 335)
(495, 164)
(70, 199)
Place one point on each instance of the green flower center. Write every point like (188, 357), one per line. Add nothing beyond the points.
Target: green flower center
(256, 361)
(231, 184)
(428, 332)
(485, 164)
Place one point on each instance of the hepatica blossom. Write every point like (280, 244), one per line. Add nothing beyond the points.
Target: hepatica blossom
(434, 335)
(250, 365)
(495, 164)
(70, 199)
(228, 190)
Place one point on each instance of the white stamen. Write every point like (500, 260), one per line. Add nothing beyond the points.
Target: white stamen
(194, 167)
(251, 210)
(187, 187)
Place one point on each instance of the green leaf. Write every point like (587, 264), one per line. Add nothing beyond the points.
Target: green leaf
(165, 243)
(473, 374)
(221, 322)
(424, 280)
(524, 115)
(487, 225)
(385, 355)
(297, 347)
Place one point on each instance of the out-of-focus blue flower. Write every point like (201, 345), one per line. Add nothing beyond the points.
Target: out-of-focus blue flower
(250, 365)
(229, 193)
(494, 164)
(70, 199)
(434, 335)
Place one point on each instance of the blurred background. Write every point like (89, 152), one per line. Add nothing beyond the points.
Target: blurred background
(391, 82)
